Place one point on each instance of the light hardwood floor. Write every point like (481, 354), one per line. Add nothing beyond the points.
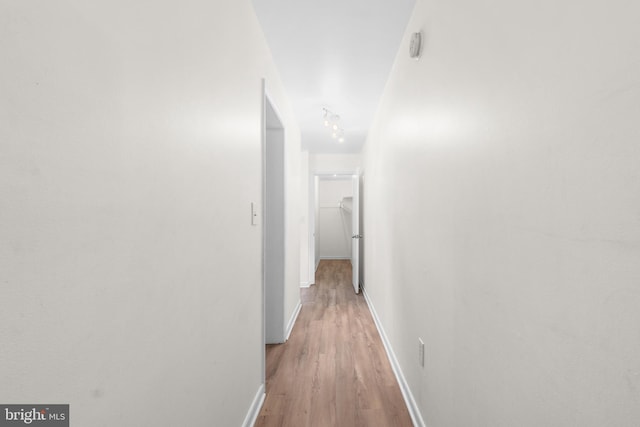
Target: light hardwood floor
(333, 371)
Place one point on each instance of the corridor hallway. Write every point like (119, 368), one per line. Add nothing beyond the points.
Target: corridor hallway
(333, 370)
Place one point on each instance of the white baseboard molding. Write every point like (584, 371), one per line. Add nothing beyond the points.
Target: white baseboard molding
(305, 284)
(334, 257)
(416, 416)
(254, 410)
(292, 321)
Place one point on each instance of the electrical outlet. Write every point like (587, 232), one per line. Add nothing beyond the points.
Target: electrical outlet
(421, 352)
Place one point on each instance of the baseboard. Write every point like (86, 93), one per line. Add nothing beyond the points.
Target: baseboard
(335, 257)
(414, 412)
(304, 284)
(292, 321)
(254, 410)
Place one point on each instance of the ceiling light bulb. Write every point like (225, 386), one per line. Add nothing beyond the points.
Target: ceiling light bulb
(335, 127)
(341, 139)
(326, 123)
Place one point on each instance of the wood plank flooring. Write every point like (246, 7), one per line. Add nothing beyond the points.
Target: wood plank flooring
(333, 371)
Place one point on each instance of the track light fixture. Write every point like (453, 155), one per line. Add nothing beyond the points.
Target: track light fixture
(331, 120)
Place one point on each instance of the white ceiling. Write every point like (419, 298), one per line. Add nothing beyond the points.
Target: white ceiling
(334, 54)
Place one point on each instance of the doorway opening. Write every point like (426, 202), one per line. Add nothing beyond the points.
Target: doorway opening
(335, 220)
(274, 225)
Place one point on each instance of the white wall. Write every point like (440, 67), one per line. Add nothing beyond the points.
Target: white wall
(334, 163)
(334, 222)
(130, 150)
(502, 213)
(305, 234)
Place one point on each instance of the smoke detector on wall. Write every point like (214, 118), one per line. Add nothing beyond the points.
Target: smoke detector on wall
(415, 46)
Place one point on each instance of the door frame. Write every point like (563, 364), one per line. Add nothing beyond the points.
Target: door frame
(268, 100)
(314, 176)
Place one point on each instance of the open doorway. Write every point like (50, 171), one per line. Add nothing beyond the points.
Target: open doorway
(274, 223)
(335, 217)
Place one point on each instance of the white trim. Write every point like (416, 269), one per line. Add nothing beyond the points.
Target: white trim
(254, 409)
(305, 284)
(268, 99)
(334, 257)
(292, 321)
(416, 416)
(263, 140)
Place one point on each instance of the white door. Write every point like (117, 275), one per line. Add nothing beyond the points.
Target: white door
(356, 236)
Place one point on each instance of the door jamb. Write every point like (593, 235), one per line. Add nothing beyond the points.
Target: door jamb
(266, 97)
